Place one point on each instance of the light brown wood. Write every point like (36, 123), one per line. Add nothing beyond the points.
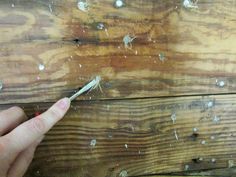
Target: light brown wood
(138, 136)
(197, 44)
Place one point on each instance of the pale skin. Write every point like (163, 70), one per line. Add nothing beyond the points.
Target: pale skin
(19, 136)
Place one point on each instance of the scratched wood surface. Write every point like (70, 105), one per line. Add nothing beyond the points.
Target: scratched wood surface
(177, 50)
(140, 137)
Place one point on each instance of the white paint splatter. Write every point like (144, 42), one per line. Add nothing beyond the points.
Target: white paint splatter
(41, 67)
(213, 160)
(230, 163)
(109, 135)
(195, 129)
(100, 26)
(12, 5)
(128, 41)
(173, 117)
(126, 146)
(186, 167)
(220, 83)
(83, 6)
(161, 57)
(212, 137)
(190, 4)
(93, 142)
(106, 31)
(123, 173)
(80, 65)
(216, 119)
(1, 85)
(119, 3)
(176, 135)
(210, 104)
(200, 159)
(203, 142)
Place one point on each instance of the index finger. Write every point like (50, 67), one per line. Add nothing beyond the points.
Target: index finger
(27, 133)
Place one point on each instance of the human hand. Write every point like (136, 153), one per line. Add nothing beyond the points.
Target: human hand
(19, 139)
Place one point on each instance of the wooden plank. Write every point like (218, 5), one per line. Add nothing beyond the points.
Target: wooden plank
(68, 67)
(197, 46)
(156, 19)
(217, 172)
(138, 136)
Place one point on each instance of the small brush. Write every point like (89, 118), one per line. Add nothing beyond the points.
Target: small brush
(88, 87)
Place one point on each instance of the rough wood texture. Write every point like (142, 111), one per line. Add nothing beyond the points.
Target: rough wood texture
(197, 44)
(104, 138)
(125, 131)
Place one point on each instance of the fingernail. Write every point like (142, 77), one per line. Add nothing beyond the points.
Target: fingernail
(64, 103)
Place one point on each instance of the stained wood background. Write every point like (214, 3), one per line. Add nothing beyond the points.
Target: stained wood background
(130, 119)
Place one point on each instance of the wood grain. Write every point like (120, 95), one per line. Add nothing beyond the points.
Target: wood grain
(198, 47)
(138, 136)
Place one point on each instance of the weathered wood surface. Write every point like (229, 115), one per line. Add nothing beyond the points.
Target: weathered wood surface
(138, 136)
(198, 46)
(177, 51)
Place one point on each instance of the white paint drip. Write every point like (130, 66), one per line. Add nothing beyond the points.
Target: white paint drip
(173, 117)
(106, 31)
(230, 163)
(126, 146)
(50, 7)
(176, 135)
(83, 6)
